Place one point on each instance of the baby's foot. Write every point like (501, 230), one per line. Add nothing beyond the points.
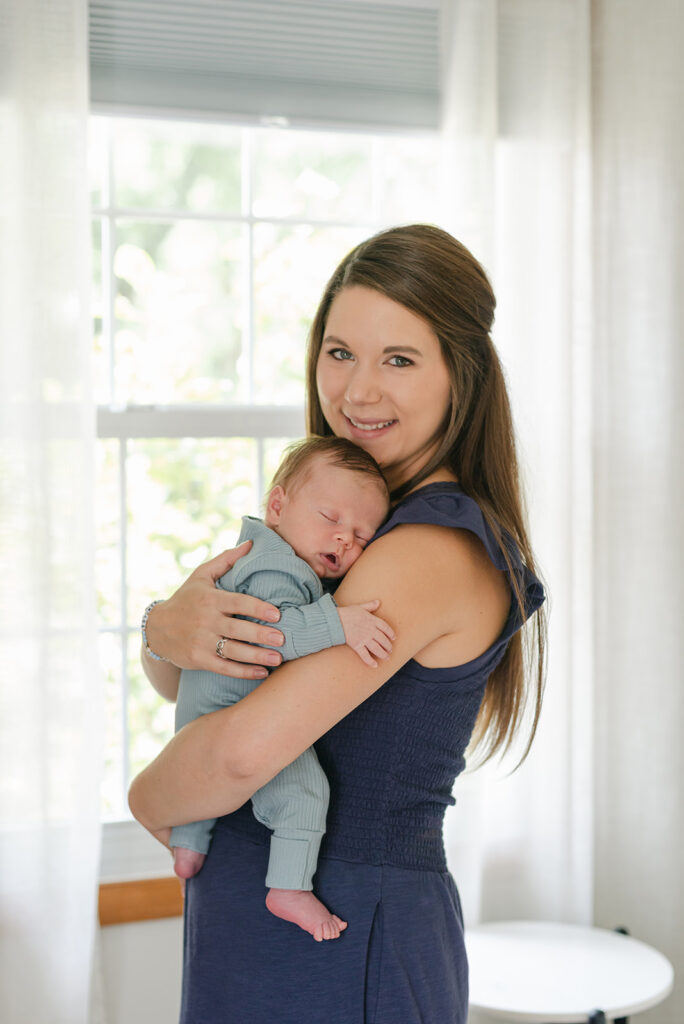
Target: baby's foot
(187, 863)
(301, 907)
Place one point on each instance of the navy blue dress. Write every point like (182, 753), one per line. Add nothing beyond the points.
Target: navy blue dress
(391, 765)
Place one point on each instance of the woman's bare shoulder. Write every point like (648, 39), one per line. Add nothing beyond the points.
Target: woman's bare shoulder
(437, 574)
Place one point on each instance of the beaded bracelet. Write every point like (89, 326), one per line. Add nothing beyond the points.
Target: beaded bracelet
(148, 649)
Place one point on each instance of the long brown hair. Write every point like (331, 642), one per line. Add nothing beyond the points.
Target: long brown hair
(430, 273)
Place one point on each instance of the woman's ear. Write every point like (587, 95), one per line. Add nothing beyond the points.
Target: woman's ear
(274, 505)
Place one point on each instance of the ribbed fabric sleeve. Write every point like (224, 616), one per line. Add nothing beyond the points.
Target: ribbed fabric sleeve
(273, 572)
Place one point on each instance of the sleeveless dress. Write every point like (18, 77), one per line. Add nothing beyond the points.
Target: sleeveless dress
(391, 765)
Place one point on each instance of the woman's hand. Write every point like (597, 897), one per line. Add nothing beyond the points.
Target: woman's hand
(186, 628)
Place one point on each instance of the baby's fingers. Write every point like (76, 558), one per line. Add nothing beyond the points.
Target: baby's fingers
(385, 627)
(376, 648)
(382, 641)
(365, 657)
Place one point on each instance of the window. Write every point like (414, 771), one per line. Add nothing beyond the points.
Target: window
(212, 244)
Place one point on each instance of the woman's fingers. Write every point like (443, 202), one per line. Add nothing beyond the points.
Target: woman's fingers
(186, 627)
(236, 650)
(230, 603)
(226, 667)
(231, 661)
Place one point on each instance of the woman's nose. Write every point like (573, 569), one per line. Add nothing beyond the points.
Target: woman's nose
(363, 386)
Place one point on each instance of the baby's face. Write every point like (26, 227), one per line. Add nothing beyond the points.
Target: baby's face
(329, 516)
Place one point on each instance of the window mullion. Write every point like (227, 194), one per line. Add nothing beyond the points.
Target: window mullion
(108, 253)
(247, 196)
(138, 421)
(125, 687)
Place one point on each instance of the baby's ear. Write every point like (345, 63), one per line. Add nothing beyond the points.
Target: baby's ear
(274, 505)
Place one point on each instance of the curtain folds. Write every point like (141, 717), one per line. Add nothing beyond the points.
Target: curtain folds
(518, 136)
(565, 150)
(50, 699)
(639, 471)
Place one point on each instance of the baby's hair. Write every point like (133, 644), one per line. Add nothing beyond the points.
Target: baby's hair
(336, 450)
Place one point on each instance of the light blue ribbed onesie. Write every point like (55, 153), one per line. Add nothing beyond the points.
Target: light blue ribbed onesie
(294, 803)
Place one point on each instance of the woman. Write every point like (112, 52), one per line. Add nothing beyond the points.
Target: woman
(400, 361)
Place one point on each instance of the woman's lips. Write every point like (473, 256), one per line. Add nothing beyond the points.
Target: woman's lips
(368, 428)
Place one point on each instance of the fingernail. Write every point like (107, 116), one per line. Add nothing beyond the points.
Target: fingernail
(276, 638)
(260, 673)
(273, 659)
(273, 615)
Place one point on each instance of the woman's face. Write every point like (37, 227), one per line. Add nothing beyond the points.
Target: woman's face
(382, 381)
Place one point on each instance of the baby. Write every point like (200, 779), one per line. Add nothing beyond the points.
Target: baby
(327, 499)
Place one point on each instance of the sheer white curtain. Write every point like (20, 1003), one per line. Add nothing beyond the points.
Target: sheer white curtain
(518, 142)
(50, 698)
(565, 153)
(639, 471)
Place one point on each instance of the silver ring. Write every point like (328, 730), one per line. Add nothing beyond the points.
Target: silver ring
(219, 646)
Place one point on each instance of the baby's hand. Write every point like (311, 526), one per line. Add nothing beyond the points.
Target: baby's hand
(365, 633)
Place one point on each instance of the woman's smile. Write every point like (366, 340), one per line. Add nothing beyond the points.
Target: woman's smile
(368, 428)
(382, 380)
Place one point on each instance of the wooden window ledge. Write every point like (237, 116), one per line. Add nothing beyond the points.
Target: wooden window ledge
(146, 899)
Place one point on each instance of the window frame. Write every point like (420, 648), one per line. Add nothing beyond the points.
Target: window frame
(128, 852)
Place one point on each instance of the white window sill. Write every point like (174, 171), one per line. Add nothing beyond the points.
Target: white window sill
(129, 852)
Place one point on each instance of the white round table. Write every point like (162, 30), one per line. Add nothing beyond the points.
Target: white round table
(535, 971)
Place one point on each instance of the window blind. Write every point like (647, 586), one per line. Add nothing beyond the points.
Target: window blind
(361, 63)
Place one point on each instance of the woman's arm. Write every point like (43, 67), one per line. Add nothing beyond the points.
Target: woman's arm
(432, 582)
(163, 675)
(186, 628)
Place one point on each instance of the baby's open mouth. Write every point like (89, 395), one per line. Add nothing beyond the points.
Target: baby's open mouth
(332, 560)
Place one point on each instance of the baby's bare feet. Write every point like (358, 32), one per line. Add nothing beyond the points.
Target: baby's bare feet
(301, 907)
(187, 863)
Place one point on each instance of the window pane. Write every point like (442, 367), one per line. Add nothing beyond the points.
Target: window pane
(312, 174)
(292, 265)
(411, 181)
(273, 453)
(150, 717)
(113, 780)
(108, 532)
(179, 312)
(185, 500)
(182, 166)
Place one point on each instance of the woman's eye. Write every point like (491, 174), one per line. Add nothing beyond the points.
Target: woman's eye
(340, 354)
(400, 361)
